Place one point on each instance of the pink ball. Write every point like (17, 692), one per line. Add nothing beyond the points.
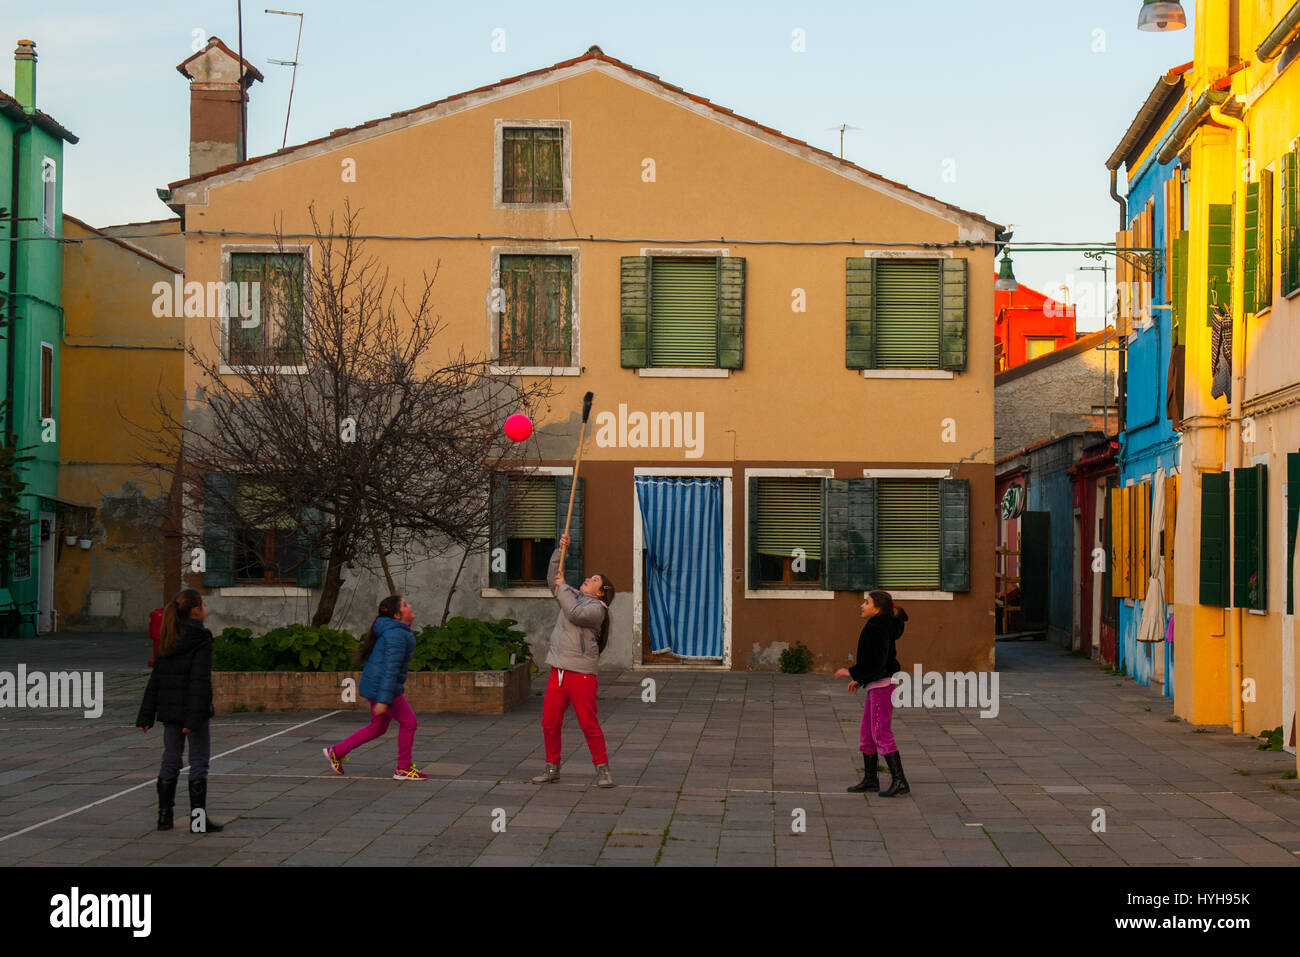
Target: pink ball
(518, 427)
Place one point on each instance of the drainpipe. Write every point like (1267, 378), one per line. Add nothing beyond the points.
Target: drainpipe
(1238, 387)
(1123, 206)
(13, 281)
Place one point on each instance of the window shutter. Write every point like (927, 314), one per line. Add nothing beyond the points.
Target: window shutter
(1142, 538)
(1264, 243)
(1292, 521)
(1219, 268)
(849, 516)
(244, 346)
(548, 165)
(635, 312)
(219, 529)
(907, 534)
(1289, 226)
(860, 341)
(1180, 288)
(1214, 539)
(684, 313)
(1249, 270)
(1250, 541)
(953, 314)
(789, 517)
(1109, 580)
(954, 534)
(907, 320)
(1167, 549)
(573, 557)
(531, 508)
(498, 518)
(731, 312)
(312, 521)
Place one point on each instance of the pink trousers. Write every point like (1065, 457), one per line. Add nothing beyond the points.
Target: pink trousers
(406, 723)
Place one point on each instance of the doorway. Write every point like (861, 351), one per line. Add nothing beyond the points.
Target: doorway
(45, 575)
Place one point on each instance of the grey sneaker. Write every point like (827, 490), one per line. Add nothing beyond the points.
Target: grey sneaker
(603, 778)
(550, 776)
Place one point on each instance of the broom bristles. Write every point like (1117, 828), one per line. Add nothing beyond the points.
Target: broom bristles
(586, 405)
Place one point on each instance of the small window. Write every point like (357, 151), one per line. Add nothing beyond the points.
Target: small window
(535, 325)
(268, 548)
(1036, 346)
(907, 534)
(532, 164)
(49, 185)
(684, 312)
(530, 527)
(788, 533)
(265, 301)
(47, 381)
(908, 313)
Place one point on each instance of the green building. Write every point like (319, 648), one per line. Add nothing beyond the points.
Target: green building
(31, 258)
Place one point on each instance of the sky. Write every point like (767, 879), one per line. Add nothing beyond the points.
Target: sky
(1007, 108)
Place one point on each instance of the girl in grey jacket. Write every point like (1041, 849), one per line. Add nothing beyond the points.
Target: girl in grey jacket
(579, 636)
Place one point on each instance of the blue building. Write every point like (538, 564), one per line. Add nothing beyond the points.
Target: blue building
(1149, 320)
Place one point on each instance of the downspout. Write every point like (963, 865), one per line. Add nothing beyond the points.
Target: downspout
(1235, 622)
(13, 284)
(1121, 383)
(1123, 206)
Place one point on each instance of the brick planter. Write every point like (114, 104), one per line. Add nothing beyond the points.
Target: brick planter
(460, 692)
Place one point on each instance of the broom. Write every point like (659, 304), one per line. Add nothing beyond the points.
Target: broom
(577, 463)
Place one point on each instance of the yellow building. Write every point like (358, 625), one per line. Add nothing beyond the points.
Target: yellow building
(1240, 469)
(848, 335)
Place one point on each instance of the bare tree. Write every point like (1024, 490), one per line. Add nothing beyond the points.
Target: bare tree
(347, 428)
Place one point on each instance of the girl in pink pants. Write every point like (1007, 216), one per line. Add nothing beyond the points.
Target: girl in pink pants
(875, 665)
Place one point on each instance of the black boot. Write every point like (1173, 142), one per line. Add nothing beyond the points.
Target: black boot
(870, 780)
(166, 801)
(199, 802)
(897, 783)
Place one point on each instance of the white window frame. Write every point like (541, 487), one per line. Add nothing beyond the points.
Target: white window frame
(816, 594)
(527, 591)
(904, 595)
(49, 196)
(498, 166)
(494, 318)
(224, 327)
(914, 373)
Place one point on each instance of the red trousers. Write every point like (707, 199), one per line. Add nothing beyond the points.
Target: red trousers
(563, 688)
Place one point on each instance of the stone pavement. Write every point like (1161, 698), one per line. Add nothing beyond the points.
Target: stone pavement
(714, 772)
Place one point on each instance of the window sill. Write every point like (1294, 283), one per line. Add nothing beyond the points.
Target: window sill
(531, 591)
(502, 204)
(1256, 611)
(279, 370)
(814, 593)
(684, 373)
(920, 595)
(535, 370)
(908, 374)
(264, 591)
(1263, 312)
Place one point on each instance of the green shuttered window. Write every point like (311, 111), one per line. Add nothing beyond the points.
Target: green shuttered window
(786, 531)
(682, 313)
(527, 519)
(1250, 538)
(1219, 287)
(1214, 539)
(247, 539)
(907, 545)
(536, 320)
(905, 313)
(1251, 265)
(276, 338)
(532, 165)
(1180, 288)
(1289, 223)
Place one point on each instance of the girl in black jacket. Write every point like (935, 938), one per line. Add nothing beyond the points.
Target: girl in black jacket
(876, 664)
(180, 695)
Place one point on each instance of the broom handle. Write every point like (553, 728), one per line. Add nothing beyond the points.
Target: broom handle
(573, 491)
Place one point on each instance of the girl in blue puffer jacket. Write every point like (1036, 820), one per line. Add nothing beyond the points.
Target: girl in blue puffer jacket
(386, 650)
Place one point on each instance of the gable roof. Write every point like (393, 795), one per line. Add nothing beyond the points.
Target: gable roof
(249, 70)
(129, 247)
(597, 57)
(1164, 95)
(14, 110)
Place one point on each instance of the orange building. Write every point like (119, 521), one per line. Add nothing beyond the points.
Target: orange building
(1028, 324)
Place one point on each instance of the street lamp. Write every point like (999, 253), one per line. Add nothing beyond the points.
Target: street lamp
(1006, 281)
(1161, 16)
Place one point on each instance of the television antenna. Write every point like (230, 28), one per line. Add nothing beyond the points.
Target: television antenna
(293, 63)
(842, 127)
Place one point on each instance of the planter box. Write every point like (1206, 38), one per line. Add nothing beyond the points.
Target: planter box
(460, 692)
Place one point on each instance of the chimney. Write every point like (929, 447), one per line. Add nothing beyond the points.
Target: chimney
(219, 82)
(25, 75)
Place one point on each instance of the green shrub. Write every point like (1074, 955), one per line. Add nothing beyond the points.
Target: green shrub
(797, 659)
(469, 644)
(1272, 739)
(233, 650)
(292, 648)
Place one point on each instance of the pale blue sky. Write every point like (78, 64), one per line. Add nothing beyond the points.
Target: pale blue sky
(1026, 98)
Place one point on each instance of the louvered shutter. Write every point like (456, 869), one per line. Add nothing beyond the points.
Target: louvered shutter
(955, 327)
(573, 564)
(1251, 265)
(499, 539)
(849, 514)
(1219, 263)
(1264, 243)
(684, 313)
(731, 312)
(954, 535)
(859, 335)
(789, 517)
(635, 312)
(1214, 539)
(219, 529)
(907, 534)
(907, 319)
(1289, 225)
(1180, 288)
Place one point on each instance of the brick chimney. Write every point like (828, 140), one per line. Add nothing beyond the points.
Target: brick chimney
(219, 82)
(25, 75)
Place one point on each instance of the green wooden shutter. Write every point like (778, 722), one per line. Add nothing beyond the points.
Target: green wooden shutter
(684, 313)
(954, 535)
(751, 538)
(1250, 537)
(312, 522)
(731, 312)
(789, 517)
(1181, 242)
(536, 319)
(498, 519)
(245, 346)
(1214, 539)
(1292, 521)
(516, 166)
(907, 534)
(1264, 243)
(219, 489)
(1289, 227)
(634, 334)
(954, 329)
(907, 320)
(1219, 270)
(573, 557)
(514, 322)
(548, 165)
(1251, 264)
(859, 335)
(849, 516)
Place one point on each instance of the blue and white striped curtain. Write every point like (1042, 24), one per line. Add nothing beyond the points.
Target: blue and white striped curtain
(682, 521)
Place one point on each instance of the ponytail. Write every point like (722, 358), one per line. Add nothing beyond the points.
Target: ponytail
(607, 596)
(388, 608)
(186, 600)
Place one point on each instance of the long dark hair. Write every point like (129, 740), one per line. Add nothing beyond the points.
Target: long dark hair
(885, 602)
(186, 600)
(390, 607)
(607, 596)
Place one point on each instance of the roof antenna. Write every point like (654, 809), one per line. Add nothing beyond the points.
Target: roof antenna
(293, 63)
(842, 127)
